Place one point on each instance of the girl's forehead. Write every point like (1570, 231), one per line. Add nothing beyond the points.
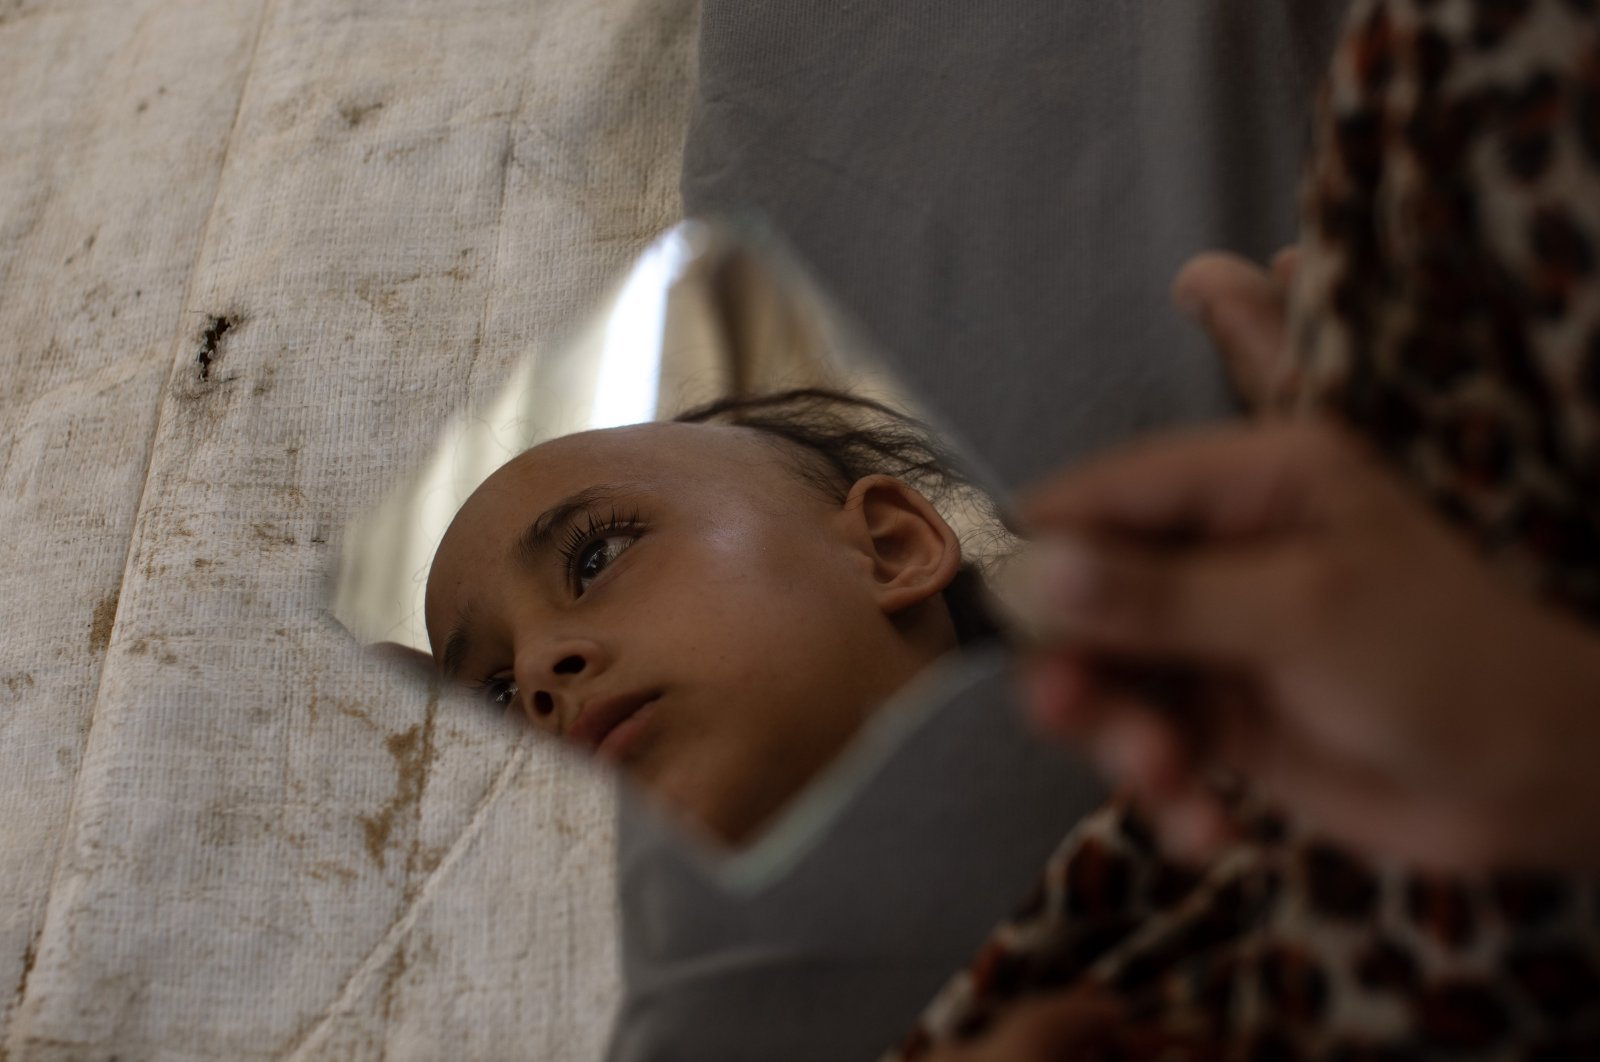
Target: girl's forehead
(658, 449)
(698, 466)
(668, 460)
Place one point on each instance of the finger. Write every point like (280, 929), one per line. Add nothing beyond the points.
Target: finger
(1149, 736)
(1243, 309)
(1058, 691)
(1192, 826)
(1214, 605)
(1285, 264)
(1369, 811)
(1340, 791)
(1065, 699)
(1068, 693)
(1143, 749)
(1220, 481)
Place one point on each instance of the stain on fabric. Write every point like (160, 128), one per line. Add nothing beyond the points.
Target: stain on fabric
(16, 9)
(397, 967)
(19, 681)
(211, 342)
(356, 113)
(105, 614)
(88, 245)
(328, 871)
(354, 710)
(142, 647)
(272, 535)
(383, 295)
(263, 386)
(412, 750)
(29, 955)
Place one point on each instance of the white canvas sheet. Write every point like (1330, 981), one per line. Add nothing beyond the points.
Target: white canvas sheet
(252, 254)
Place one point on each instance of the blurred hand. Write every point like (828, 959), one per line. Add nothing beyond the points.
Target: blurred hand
(1336, 643)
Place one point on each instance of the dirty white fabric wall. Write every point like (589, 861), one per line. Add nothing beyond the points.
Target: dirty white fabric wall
(252, 254)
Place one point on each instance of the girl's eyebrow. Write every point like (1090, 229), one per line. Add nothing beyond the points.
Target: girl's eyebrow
(539, 537)
(455, 646)
(527, 549)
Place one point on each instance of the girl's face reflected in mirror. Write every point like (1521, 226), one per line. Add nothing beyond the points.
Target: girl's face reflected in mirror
(683, 600)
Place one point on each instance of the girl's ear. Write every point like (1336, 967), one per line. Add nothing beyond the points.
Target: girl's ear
(914, 554)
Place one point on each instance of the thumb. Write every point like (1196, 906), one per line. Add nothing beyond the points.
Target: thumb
(1243, 309)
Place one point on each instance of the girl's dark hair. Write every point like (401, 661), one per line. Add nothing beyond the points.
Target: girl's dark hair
(843, 438)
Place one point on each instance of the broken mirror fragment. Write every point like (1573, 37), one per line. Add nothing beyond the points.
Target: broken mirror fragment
(710, 542)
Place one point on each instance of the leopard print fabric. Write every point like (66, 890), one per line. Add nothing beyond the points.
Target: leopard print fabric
(1447, 305)
(1291, 948)
(1448, 302)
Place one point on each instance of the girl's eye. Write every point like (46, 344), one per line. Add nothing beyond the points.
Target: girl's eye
(593, 559)
(590, 548)
(501, 693)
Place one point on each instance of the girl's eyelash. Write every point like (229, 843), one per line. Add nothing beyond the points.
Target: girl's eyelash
(594, 528)
(499, 692)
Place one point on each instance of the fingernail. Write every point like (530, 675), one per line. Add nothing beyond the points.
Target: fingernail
(1053, 580)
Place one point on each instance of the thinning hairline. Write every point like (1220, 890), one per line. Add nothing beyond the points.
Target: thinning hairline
(809, 464)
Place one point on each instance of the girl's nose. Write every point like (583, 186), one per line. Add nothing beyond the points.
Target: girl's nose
(547, 676)
(543, 701)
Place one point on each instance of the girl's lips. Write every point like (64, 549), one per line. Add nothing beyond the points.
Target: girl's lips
(602, 718)
(623, 739)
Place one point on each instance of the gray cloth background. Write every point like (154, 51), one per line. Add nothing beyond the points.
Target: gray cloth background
(1001, 194)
